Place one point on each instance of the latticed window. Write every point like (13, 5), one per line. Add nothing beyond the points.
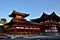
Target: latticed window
(53, 29)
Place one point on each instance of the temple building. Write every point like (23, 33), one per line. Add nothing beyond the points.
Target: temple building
(50, 23)
(44, 25)
(20, 26)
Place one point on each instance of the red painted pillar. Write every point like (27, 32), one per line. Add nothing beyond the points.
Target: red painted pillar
(24, 31)
(9, 31)
(15, 31)
(36, 30)
(28, 30)
(33, 30)
(39, 30)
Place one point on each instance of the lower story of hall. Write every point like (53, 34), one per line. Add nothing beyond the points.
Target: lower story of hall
(23, 32)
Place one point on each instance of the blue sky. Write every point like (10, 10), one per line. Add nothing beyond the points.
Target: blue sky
(33, 7)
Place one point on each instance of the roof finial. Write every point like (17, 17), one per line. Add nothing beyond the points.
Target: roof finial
(43, 12)
(14, 11)
(53, 12)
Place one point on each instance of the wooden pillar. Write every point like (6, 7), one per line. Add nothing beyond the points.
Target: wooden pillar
(33, 31)
(39, 30)
(36, 30)
(24, 31)
(10, 31)
(28, 30)
(15, 31)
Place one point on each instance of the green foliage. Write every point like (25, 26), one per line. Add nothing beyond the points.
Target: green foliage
(1, 29)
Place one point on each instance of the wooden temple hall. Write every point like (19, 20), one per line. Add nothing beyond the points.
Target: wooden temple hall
(44, 24)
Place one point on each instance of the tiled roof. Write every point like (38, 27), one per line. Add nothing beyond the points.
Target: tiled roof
(14, 13)
(45, 17)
